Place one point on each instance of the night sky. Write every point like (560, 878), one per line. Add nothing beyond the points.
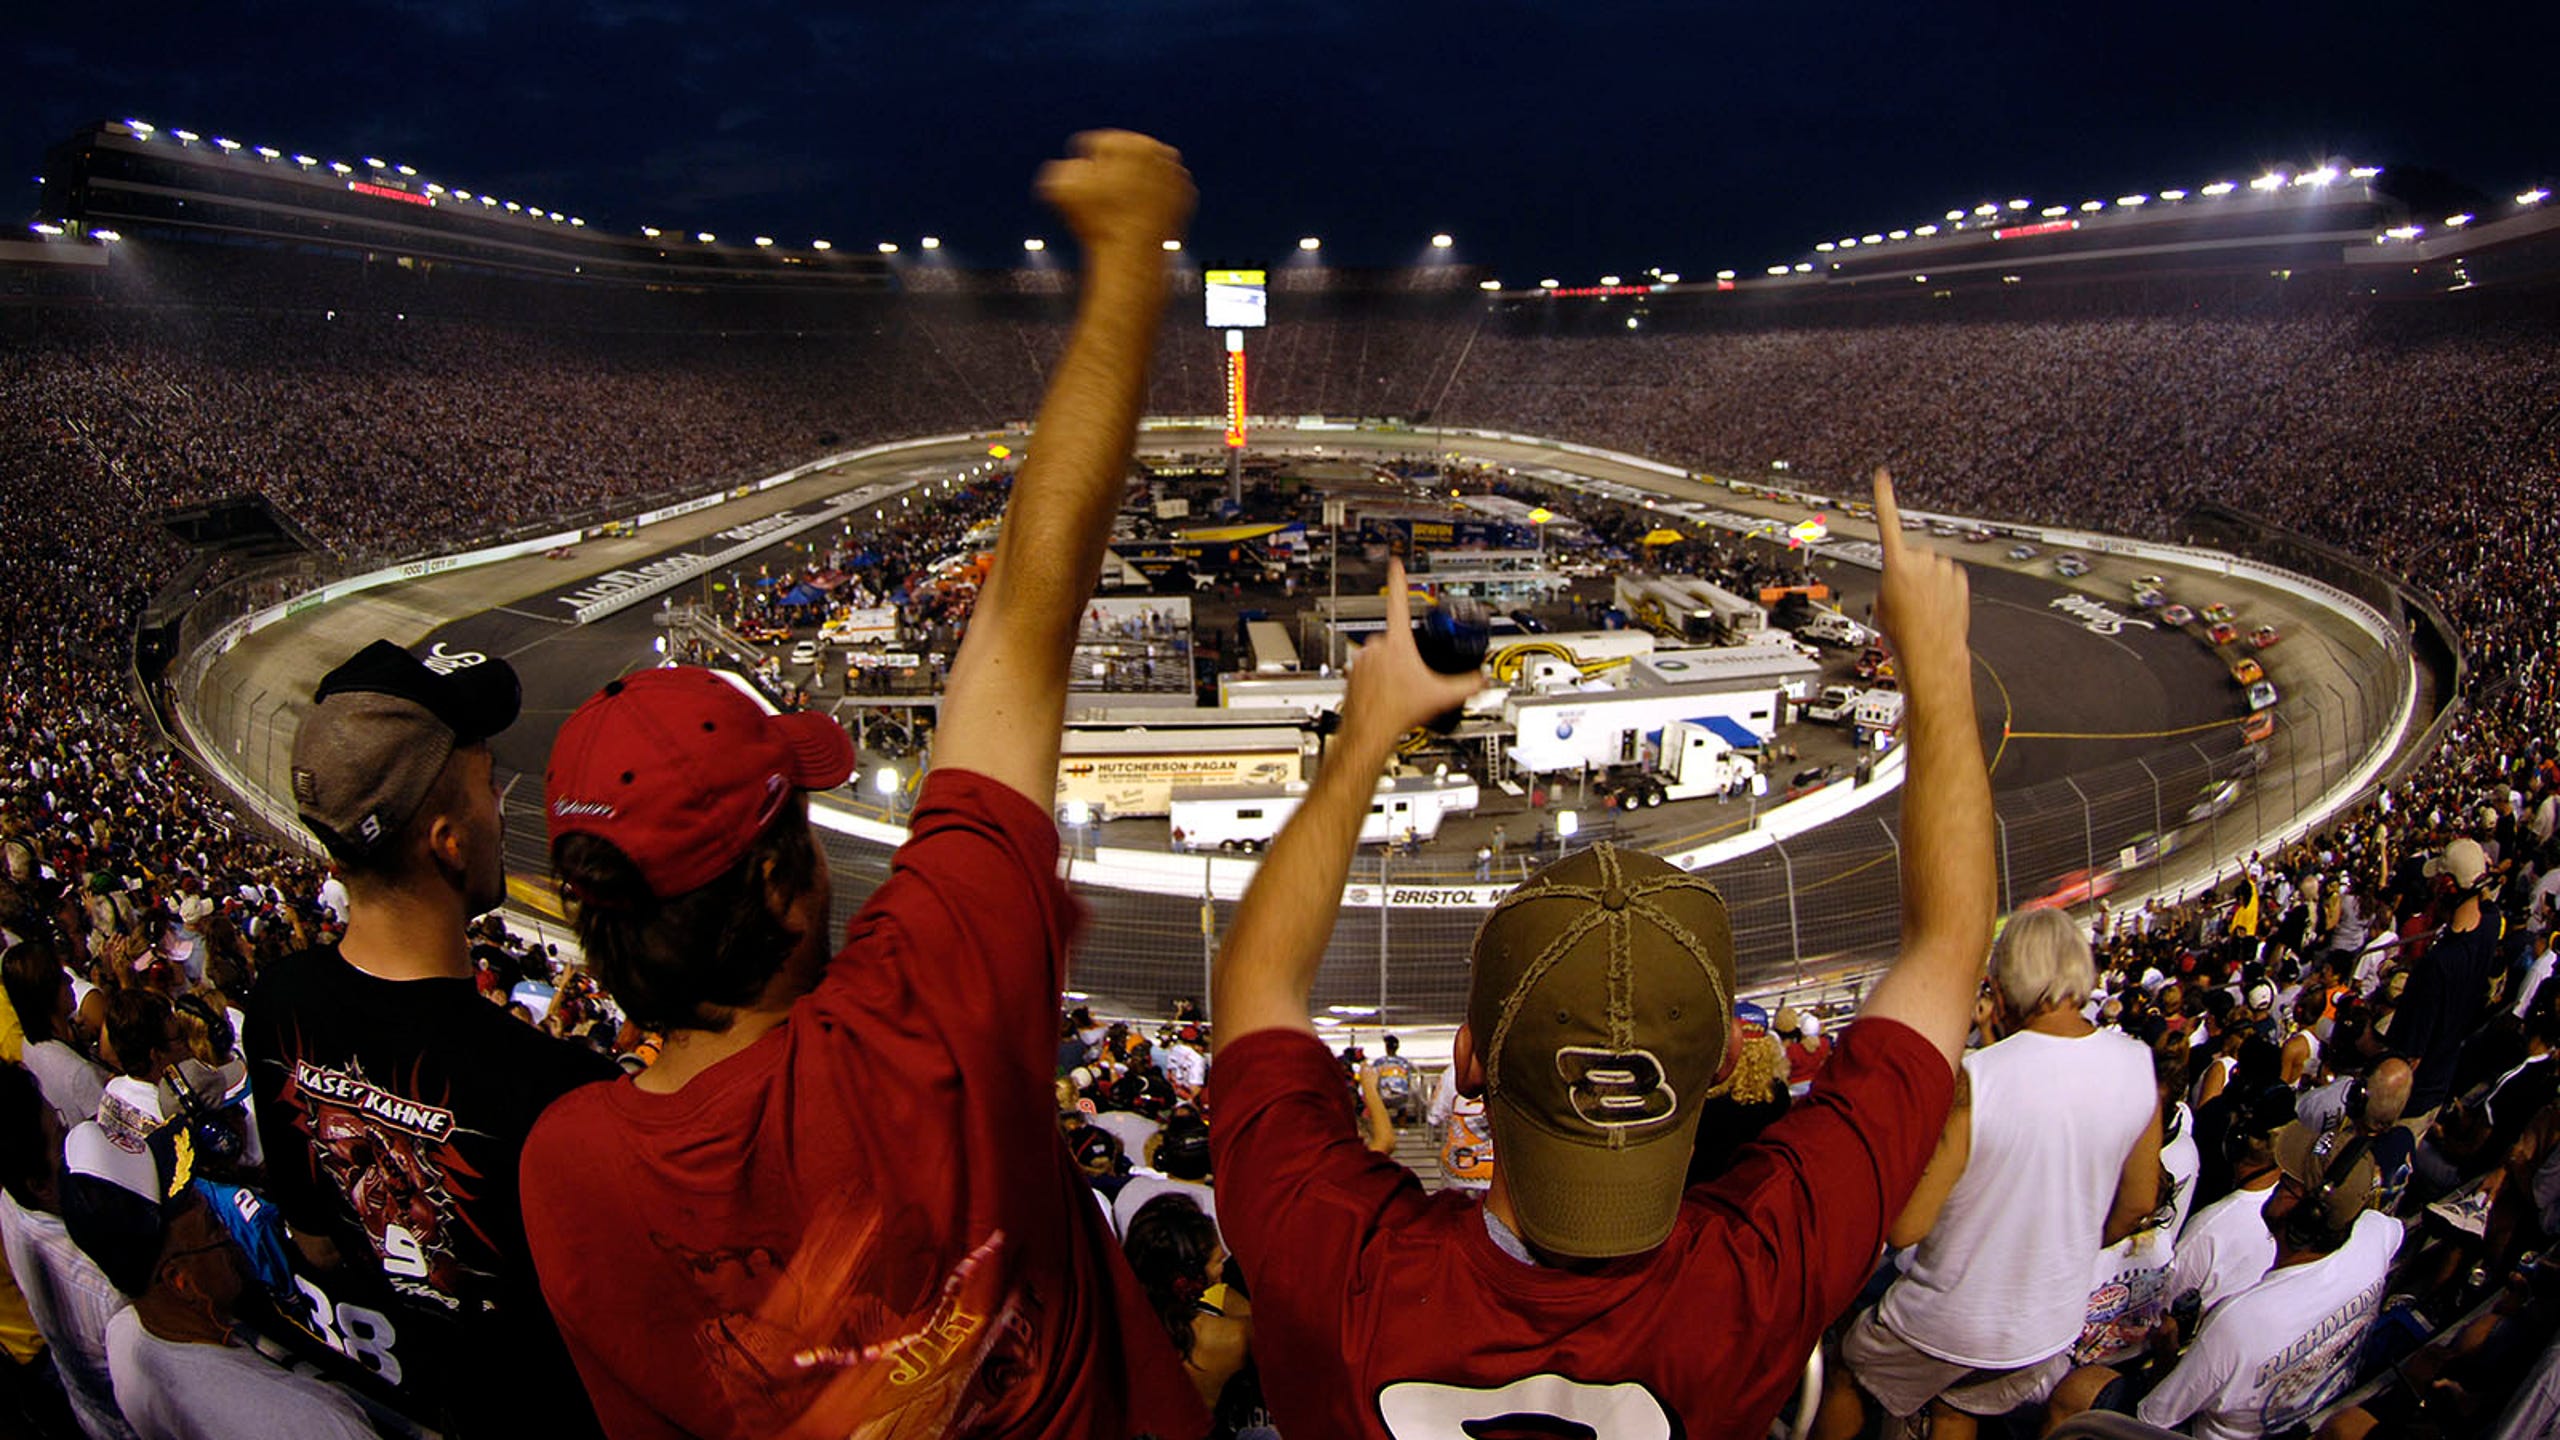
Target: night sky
(1551, 139)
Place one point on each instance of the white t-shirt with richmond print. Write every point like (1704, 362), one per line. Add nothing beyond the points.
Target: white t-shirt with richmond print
(2273, 1354)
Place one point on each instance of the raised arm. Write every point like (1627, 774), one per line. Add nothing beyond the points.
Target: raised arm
(1947, 877)
(1124, 195)
(1267, 968)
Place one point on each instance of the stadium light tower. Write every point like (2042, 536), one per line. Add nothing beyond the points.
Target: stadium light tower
(1443, 241)
(1310, 242)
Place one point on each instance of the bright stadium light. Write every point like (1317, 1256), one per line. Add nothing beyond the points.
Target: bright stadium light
(1850, 244)
(1986, 208)
(2322, 176)
(2055, 212)
(341, 167)
(2364, 172)
(1549, 284)
(1925, 231)
(1488, 284)
(1724, 274)
(410, 170)
(141, 127)
(1955, 214)
(514, 209)
(2273, 180)
(705, 236)
(2534, 196)
(2017, 204)
(1803, 267)
(1309, 242)
(1871, 239)
(2173, 194)
(2458, 221)
(577, 224)
(1777, 269)
(1670, 277)
(930, 242)
(45, 227)
(2092, 206)
(305, 161)
(885, 780)
(109, 236)
(186, 137)
(269, 152)
(226, 146)
(1897, 234)
(651, 231)
(1825, 247)
(1443, 241)
(2220, 188)
(2133, 201)
(1567, 823)
(1173, 247)
(822, 245)
(888, 247)
(1610, 280)
(462, 195)
(376, 164)
(557, 217)
(489, 200)
(1035, 245)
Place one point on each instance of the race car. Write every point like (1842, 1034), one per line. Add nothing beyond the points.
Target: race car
(1914, 522)
(2247, 672)
(2149, 599)
(2070, 566)
(2217, 797)
(2177, 615)
(1977, 534)
(1943, 530)
(2222, 633)
(2220, 614)
(2263, 696)
(2264, 636)
(2022, 552)
(2149, 582)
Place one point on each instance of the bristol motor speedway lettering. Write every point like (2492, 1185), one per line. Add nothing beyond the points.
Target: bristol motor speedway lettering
(2097, 617)
(615, 582)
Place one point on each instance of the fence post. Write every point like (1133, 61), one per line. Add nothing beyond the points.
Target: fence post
(1208, 935)
(2320, 730)
(2008, 901)
(2088, 830)
(2217, 815)
(1383, 910)
(1795, 938)
(2159, 832)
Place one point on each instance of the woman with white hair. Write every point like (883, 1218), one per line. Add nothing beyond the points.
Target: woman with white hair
(2051, 1153)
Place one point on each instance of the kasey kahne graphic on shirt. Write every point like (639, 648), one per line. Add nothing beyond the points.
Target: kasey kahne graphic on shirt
(853, 1337)
(392, 1158)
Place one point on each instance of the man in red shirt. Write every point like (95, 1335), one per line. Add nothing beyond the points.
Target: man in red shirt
(1586, 1289)
(838, 1204)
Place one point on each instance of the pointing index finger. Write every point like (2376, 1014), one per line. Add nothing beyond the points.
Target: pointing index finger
(1399, 598)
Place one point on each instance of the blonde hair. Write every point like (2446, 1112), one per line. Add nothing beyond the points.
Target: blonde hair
(2042, 961)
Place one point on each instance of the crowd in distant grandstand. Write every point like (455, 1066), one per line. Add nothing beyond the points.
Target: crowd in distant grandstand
(2272, 1014)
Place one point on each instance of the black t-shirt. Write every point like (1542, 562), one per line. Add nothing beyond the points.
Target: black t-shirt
(393, 1114)
(2448, 993)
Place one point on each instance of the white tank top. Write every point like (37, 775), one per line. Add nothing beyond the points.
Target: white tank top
(2003, 1279)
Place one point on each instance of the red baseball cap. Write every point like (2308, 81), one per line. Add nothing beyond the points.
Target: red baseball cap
(682, 768)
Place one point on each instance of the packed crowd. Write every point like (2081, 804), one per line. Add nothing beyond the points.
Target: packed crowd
(265, 1137)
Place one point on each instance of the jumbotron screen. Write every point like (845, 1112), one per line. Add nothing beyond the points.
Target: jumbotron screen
(1236, 299)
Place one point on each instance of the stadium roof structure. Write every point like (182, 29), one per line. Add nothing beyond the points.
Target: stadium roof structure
(118, 177)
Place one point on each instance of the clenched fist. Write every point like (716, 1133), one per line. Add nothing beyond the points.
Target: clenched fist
(1119, 191)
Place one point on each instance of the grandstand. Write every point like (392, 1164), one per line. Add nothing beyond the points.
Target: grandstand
(389, 369)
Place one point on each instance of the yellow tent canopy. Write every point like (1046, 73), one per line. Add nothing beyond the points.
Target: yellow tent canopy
(1226, 534)
(1664, 537)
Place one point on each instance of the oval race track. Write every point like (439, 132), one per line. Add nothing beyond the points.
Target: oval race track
(2106, 732)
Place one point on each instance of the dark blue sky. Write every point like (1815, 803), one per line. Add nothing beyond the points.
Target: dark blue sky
(1552, 139)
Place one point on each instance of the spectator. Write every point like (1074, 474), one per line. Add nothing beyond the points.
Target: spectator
(2274, 1355)
(170, 1355)
(1397, 1081)
(2053, 1153)
(39, 992)
(68, 1298)
(1177, 1164)
(2226, 1247)
(2448, 992)
(392, 1102)
(1174, 1251)
(858, 1155)
(1587, 1288)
